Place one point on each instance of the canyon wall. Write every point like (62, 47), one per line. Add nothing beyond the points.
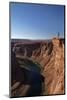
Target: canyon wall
(50, 55)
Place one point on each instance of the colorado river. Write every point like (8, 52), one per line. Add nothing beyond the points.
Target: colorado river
(33, 76)
(27, 78)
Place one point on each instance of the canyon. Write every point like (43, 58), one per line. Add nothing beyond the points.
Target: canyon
(49, 54)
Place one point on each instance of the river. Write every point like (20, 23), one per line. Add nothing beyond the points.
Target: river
(32, 76)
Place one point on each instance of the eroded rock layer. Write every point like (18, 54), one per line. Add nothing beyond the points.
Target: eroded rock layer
(50, 55)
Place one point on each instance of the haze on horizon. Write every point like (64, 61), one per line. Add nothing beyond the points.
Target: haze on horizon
(36, 21)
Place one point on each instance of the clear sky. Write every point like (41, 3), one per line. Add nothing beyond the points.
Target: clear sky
(32, 21)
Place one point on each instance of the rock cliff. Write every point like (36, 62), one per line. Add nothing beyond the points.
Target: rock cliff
(50, 55)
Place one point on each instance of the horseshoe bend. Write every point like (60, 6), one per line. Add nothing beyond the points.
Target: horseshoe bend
(37, 67)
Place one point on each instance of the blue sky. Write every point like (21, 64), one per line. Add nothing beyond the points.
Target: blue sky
(32, 21)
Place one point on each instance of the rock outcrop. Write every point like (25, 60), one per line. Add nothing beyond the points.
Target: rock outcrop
(50, 55)
(54, 69)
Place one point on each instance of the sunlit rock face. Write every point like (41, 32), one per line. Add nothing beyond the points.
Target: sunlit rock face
(50, 55)
(54, 69)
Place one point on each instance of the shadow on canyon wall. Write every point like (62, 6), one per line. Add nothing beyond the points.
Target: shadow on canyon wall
(25, 81)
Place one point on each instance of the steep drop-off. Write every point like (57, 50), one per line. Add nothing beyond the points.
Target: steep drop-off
(50, 55)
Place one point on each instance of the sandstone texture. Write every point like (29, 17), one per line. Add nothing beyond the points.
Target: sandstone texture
(50, 55)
